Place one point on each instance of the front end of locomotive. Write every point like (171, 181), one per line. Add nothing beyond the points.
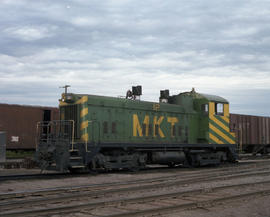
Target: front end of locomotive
(60, 142)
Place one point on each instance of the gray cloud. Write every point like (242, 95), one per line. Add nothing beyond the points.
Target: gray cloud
(104, 47)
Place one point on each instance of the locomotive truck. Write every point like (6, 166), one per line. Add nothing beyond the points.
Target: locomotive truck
(100, 132)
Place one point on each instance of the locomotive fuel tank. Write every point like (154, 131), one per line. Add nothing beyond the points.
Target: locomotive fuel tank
(168, 157)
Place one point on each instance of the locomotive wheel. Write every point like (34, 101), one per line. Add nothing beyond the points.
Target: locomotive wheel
(76, 171)
(92, 168)
(192, 160)
(134, 169)
(171, 164)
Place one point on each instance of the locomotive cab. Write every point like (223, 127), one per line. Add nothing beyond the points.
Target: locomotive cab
(214, 120)
(210, 139)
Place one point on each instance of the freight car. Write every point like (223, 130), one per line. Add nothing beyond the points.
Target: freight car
(252, 133)
(99, 132)
(19, 123)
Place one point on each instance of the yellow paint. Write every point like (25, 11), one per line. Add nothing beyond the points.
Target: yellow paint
(146, 122)
(137, 129)
(62, 117)
(84, 137)
(172, 121)
(84, 112)
(61, 103)
(226, 128)
(157, 122)
(226, 110)
(136, 126)
(84, 125)
(233, 134)
(215, 139)
(211, 108)
(84, 99)
(217, 131)
(156, 106)
(226, 119)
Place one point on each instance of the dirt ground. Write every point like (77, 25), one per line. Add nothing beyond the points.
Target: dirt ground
(256, 207)
(253, 207)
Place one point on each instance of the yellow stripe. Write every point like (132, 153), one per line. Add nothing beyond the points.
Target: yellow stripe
(226, 110)
(84, 99)
(215, 139)
(225, 119)
(84, 125)
(84, 112)
(61, 103)
(217, 131)
(84, 137)
(218, 122)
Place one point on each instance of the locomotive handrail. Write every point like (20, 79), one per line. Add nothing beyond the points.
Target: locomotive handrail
(49, 124)
(73, 130)
(86, 141)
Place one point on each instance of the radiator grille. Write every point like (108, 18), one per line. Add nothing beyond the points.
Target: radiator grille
(70, 112)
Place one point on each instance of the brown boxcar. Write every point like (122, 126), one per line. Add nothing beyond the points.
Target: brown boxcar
(252, 132)
(20, 121)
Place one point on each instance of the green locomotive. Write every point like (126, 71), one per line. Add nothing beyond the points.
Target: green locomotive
(100, 132)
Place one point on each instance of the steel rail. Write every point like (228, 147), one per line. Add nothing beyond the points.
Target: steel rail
(58, 175)
(73, 195)
(196, 204)
(110, 203)
(34, 176)
(188, 178)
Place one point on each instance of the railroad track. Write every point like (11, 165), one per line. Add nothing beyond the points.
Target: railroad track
(157, 204)
(184, 177)
(115, 190)
(34, 176)
(168, 203)
(146, 170)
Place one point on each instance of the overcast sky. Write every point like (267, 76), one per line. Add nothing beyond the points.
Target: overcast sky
(105, 47)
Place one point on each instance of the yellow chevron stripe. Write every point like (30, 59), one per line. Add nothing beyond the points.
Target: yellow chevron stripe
(84, 99)
(218, 122)
(84, 125)
(211, 136)
(84, 137)
(225, 119)
(84, 112)
(217, 131)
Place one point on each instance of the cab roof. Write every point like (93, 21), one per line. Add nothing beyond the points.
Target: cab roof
(208, 97)
(214, 98)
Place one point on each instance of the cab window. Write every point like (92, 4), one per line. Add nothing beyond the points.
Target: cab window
(219, 108)
(205, 108)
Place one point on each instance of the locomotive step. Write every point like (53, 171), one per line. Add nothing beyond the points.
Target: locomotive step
(77, 166)
(75, 158)
(74, 150)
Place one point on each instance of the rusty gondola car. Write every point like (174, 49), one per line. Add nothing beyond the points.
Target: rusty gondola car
(252, 133)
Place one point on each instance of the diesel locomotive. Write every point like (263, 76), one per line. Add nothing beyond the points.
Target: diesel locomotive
(106, 133)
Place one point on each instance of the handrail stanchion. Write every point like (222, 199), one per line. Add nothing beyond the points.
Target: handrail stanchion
(86, 139)
(73, 133)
